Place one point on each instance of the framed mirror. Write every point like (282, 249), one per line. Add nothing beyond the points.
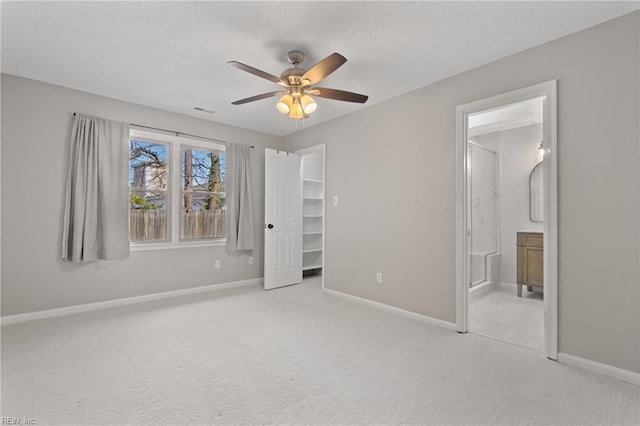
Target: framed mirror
(536, 194)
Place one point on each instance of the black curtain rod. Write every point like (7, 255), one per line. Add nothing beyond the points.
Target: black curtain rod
(179, 133)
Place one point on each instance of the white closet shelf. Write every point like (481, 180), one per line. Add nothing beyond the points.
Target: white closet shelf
(313, 205)
(308, 267)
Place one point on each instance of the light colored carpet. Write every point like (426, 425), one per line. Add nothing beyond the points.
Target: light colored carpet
(292, 355)
(501, 314)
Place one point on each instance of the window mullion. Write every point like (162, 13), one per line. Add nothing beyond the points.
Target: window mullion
(176, 173)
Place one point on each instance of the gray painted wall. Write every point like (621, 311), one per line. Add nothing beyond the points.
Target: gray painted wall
(35, 137)
(393, 167)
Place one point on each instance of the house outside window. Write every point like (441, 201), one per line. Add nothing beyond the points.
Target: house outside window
(176, 191)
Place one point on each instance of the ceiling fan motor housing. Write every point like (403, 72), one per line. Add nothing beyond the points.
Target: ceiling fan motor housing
(292, 75)
(295, 56)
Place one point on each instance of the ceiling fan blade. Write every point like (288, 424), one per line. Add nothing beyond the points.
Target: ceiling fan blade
(259, 73)
(323, 69)
(258, 97)
(339, 95)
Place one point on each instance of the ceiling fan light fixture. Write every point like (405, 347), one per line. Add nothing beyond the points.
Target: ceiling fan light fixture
(300, 83)
(284, 104)
(297, 110)
(308, 104)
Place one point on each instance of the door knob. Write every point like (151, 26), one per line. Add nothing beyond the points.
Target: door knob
(270, 226)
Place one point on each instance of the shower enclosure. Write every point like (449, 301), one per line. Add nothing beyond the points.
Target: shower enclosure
(484, 217)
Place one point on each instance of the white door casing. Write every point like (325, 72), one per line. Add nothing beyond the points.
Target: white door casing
(548, 91)
(283, 219)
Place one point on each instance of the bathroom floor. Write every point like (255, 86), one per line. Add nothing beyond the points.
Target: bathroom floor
(500, 314)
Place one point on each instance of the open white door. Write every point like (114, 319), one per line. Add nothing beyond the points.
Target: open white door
(283, 219)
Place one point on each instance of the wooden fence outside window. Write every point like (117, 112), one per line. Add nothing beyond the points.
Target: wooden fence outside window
(151, 224)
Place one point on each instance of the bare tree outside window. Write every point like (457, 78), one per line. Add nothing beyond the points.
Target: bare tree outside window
(148, 180)
(204, 208)
(199, 200)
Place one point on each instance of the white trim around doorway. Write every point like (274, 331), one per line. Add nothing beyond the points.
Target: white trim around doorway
(547, 90)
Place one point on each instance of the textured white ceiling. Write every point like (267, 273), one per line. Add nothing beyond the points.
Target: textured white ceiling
(172, 55)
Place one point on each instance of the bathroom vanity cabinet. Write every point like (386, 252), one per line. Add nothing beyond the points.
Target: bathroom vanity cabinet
(530, 260)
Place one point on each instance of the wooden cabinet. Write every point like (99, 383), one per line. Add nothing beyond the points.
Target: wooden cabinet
(530, 260)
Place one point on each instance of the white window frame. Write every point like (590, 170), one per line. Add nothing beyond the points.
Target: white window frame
(175, 144)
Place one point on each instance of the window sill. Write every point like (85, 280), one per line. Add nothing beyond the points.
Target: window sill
(181, 245)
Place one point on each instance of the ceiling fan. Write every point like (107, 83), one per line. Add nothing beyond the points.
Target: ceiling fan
(297, 82)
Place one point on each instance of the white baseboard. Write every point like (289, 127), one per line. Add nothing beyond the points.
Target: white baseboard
(480, 290)
(389, 308)
(600, 368)
(514, 287)
(50, 313)
(508, 285)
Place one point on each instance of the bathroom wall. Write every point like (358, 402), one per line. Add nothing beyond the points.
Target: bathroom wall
(518, 150)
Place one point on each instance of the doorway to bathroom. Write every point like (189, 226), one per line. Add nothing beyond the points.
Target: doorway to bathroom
(507, 215)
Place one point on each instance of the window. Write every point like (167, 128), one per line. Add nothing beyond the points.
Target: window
(148, 169)
(176, 191)
(203, 200)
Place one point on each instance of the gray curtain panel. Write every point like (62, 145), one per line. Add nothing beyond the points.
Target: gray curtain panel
(239, 196)
(96, 217)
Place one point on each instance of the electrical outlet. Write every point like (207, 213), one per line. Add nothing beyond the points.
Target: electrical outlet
(250, 260)
(379, 277)
(217, 264)
(335, 200)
